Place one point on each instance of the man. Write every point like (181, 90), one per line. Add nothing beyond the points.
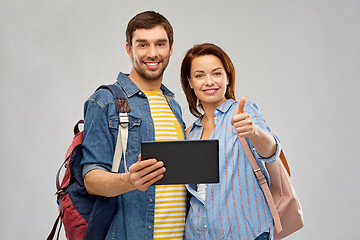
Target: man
(144, 211)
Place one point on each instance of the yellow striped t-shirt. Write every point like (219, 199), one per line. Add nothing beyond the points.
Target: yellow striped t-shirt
(170, 200)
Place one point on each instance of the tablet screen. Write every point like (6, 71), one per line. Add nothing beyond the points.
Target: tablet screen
(192, 161)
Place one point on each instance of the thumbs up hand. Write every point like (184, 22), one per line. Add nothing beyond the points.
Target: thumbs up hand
(242, 122)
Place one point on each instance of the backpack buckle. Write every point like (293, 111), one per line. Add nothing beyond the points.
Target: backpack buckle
(60, 192)
(123, 120)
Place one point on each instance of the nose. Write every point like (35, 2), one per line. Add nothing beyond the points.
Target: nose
(152, 52)
(209, 80)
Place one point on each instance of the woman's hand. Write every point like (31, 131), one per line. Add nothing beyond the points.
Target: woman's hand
(244, 126)
(263, 141)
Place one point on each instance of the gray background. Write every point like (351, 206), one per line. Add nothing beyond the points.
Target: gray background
(299, 60)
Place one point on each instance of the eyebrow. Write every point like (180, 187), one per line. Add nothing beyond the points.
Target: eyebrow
(201, 71)
(219, 68)
(144, 40)
(162, 40)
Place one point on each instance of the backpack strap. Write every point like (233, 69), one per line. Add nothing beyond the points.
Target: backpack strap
(123, 108)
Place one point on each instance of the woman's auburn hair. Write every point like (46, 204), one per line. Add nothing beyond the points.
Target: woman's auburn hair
(201, 50)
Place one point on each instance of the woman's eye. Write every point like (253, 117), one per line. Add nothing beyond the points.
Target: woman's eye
(217, 73)
(199, 76)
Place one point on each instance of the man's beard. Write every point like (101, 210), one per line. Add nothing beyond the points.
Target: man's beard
(150, 75)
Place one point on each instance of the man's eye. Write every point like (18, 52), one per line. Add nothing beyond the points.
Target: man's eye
(161, 44)
(142, 45)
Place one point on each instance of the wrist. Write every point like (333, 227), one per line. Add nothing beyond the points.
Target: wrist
(255, 133)
(128, 182)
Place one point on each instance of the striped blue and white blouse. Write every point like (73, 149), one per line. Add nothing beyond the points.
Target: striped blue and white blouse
(236, 207)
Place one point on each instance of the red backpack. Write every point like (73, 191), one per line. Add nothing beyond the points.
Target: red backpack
(86, 216)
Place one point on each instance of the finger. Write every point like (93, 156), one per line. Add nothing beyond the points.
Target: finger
(239, 108)
(149, 177)
(241, 105)
(244, 134)
(142, 164)
(149, 172)
(243, 129)
(154, 180)
(145, 186)
(147, 180)
(242, 119)
(151, 169)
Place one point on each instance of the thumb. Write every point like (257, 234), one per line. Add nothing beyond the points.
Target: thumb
(240, 107)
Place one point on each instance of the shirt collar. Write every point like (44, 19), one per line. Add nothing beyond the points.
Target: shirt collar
(222, 109)
(131, 89)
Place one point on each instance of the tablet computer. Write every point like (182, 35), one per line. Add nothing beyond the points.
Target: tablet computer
(191, 161)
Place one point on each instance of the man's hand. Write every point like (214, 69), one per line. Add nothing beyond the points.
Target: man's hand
(141, 175)
(242, 122)
(144, 173)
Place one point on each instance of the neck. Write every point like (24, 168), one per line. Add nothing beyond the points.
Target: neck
(143, 83)
(209, 112)
(209, 109)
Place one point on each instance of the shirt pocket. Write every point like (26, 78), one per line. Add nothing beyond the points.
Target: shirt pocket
(133, 142)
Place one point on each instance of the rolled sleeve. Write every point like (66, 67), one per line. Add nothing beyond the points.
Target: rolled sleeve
(89, 167)
(273, 157)
(98, 141)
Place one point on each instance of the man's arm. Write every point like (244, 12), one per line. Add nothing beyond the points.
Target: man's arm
(141, 175)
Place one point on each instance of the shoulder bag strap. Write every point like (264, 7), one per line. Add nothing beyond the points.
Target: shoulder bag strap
(263, 183)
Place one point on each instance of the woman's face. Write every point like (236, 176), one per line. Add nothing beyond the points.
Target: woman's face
(209, 80)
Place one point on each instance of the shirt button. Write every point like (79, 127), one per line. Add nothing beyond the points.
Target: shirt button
(205, 226)
(150, 200)
(149, 227)
(140, 93)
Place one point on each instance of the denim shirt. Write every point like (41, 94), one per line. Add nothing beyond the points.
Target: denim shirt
(135, 215)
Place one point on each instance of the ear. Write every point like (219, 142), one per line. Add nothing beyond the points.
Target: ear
(171, 50)
(129, 50)
(190, 83)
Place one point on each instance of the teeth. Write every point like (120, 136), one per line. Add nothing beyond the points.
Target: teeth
(210, 91)
(152, 64)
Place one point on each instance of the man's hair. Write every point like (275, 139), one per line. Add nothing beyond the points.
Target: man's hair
(201, 50)
(148, 20)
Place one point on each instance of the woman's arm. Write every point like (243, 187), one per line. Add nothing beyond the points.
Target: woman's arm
(263, 141)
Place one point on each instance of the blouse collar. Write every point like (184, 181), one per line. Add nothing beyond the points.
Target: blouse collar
(221, 109)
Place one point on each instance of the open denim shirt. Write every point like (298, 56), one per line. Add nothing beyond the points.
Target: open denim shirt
(135, 216)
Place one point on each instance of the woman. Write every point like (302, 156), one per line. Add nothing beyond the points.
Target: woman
(235, 208)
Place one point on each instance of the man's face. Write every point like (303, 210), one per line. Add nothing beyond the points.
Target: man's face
(150, 52)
